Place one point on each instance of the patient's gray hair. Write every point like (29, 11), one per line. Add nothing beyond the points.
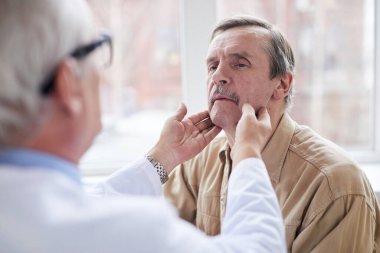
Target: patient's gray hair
(35, 35)
(279, 50)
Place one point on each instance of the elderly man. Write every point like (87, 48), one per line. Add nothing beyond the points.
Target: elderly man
(326, 200)
(49, 116)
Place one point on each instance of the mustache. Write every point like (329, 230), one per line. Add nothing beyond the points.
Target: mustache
(223, 91)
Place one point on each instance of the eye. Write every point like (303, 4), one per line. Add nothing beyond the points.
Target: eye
(241, 65)
(212, 68)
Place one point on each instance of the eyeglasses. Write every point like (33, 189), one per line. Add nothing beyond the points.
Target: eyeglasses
(104, 56)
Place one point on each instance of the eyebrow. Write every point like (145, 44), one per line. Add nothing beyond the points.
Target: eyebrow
(211, 59)
(243, 54)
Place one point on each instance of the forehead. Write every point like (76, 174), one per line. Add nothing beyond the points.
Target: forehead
(248, 38)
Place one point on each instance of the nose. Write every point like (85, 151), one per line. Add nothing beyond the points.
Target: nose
(220, 76)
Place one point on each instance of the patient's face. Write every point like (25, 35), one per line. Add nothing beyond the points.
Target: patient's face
(238, 72)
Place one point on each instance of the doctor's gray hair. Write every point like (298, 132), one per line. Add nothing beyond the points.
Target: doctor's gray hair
(35, 35)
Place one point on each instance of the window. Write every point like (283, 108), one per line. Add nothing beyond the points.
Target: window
(144, 80)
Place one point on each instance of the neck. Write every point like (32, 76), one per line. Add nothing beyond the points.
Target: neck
(275, 117)
(57, 139)
(62, 152)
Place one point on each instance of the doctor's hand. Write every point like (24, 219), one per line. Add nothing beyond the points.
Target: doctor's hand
(182, 139)
(252, 133)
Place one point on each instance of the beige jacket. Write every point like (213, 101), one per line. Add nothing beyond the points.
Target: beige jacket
(327, 202)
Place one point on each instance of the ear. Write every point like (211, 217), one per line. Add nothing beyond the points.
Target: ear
(67, 88)
(283, 86)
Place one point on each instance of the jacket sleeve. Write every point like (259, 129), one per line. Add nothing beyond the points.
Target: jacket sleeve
(253, 217)
(347, 225)
(137, 178)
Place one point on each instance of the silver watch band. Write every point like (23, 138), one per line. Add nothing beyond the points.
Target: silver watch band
(159, 168)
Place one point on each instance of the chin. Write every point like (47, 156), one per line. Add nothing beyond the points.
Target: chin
(224, 118)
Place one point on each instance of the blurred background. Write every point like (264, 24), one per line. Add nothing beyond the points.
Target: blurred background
(159, 60)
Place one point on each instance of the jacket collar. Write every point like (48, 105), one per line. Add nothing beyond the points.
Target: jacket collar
(275, 151)
(277, 147)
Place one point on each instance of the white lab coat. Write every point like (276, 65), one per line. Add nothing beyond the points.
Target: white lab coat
(43, 210)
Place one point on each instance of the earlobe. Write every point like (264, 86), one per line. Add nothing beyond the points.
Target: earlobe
(67, 90)
(282, 87)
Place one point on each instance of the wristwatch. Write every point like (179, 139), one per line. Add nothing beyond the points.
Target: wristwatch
(159, 168)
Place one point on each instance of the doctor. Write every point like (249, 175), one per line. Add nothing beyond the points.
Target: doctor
(49, 116)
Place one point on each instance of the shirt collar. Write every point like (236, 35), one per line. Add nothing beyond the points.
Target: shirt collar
(27, 158)
(276, 149)
(225, 151)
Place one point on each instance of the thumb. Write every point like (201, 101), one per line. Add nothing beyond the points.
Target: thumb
(247, 109)
(181, 112)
